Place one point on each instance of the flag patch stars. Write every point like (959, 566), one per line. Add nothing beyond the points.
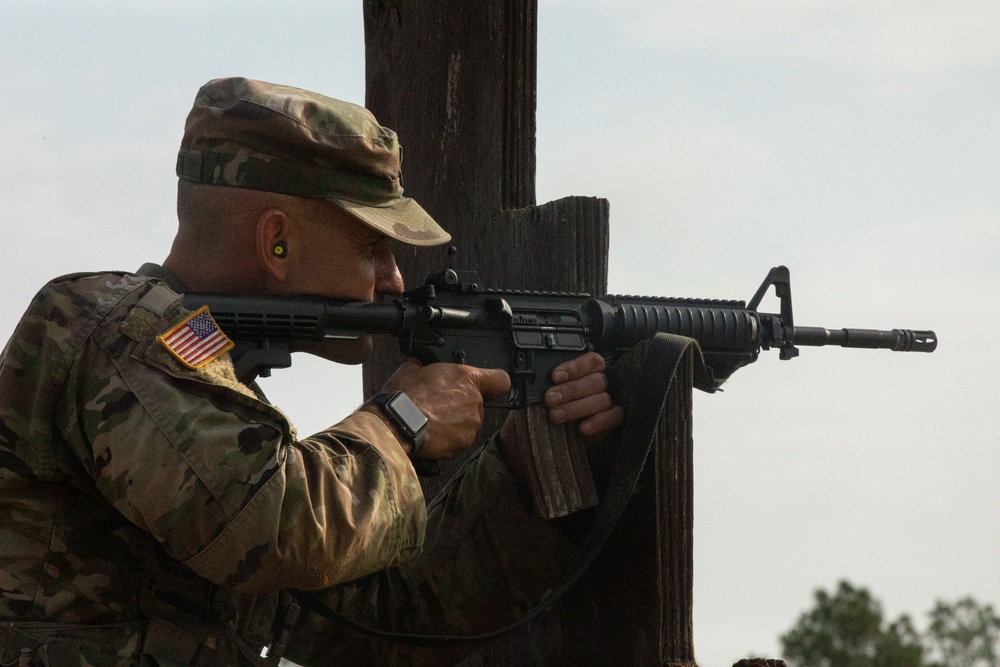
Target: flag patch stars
(197, 340)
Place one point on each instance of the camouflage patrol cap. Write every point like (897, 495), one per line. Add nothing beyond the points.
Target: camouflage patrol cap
(263, 136)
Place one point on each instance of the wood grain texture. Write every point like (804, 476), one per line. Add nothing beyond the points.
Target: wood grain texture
(456, 80)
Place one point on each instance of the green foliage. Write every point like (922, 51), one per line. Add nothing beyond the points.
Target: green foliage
(964, 634)
(848, 629)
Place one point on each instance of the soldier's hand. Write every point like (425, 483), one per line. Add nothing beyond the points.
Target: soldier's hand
(580, 393)
(451, 397)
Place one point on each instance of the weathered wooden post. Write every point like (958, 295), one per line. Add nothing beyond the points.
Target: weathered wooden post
(456, 80)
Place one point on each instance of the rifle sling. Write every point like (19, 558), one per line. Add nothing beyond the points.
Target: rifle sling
(663, 356)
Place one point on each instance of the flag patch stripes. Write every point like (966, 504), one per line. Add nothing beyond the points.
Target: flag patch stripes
(197, 340)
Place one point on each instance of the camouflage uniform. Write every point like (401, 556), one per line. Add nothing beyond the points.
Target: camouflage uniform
(135, 489)
(150, 510)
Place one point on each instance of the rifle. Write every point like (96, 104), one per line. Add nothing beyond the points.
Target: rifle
(453, 318)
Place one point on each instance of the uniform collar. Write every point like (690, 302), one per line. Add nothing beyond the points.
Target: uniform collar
(151, 270)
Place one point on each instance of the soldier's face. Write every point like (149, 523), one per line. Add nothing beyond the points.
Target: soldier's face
(343, 259)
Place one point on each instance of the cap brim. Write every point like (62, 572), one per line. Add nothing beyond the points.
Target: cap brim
(404, 221)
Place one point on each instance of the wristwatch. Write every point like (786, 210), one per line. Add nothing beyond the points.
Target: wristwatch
(404, 415)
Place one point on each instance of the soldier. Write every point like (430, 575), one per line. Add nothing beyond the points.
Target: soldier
(156, 510)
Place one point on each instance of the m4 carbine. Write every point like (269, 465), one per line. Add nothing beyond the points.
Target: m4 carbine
(453, 318)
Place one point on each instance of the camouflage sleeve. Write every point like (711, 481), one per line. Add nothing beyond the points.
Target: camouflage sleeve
(216, 475)
(487, 559)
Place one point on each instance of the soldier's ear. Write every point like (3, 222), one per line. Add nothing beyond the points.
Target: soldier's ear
(274, 243)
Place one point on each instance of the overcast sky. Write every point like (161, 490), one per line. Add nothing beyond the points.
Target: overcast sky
(856, 142)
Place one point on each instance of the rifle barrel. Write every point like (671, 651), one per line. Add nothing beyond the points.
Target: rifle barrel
(899, 340)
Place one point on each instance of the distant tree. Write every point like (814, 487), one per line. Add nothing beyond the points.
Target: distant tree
(847, 629)
(963, 634)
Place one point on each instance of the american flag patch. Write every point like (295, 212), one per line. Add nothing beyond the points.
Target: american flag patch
(197, 340)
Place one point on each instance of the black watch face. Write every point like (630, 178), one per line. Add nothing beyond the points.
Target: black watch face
(410, 417)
